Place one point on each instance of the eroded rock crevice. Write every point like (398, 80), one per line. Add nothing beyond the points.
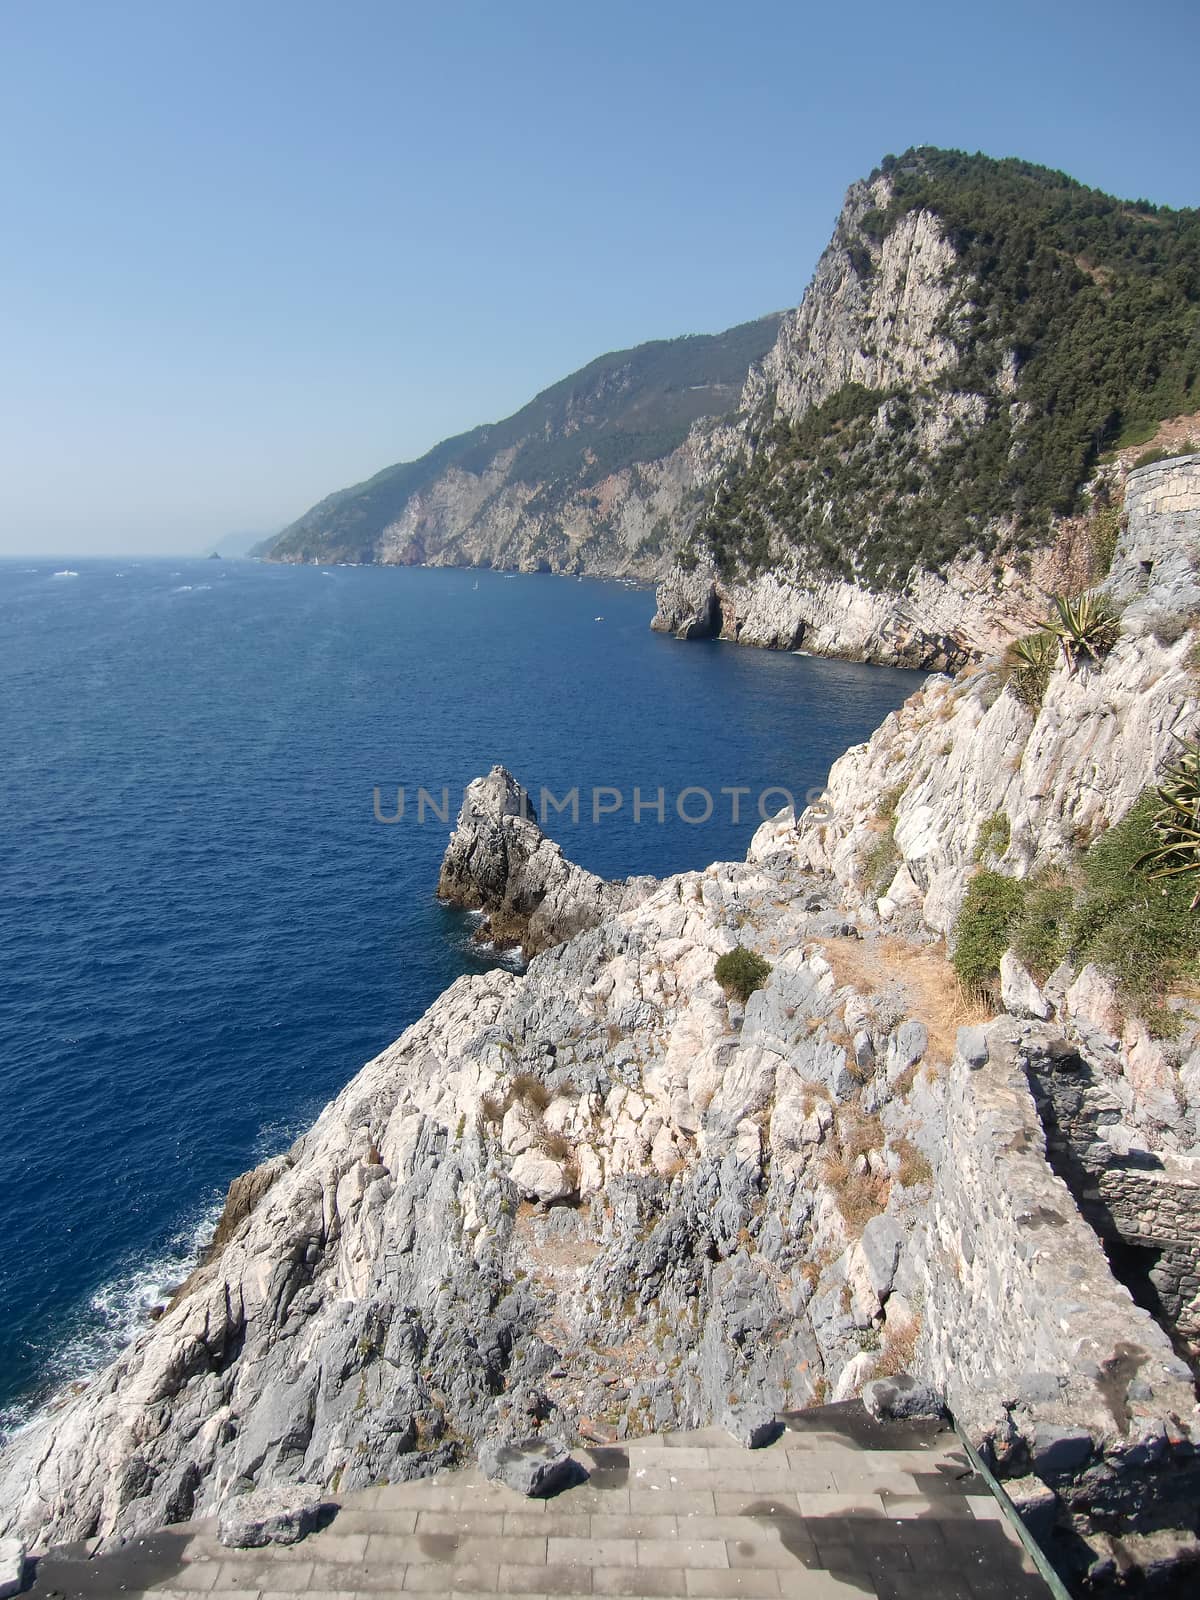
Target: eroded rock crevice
(1144, 1204)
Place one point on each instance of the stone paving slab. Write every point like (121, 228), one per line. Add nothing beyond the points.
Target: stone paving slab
(839, 1506)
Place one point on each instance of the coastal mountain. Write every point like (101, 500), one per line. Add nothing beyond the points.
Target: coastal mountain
(745, 1141)
(590, 476)
(902, 469)
(240, 544)
(922, 457)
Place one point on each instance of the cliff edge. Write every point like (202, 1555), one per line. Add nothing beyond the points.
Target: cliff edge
(500, 862)
(650, 1182)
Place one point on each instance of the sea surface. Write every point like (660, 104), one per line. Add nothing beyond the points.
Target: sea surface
(204, 929)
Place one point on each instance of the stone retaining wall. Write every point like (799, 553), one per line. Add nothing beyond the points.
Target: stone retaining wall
(1155, 561)
(1133, 1197)
(1043, 1356)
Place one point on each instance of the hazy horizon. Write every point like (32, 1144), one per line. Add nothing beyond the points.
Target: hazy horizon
(258, 254)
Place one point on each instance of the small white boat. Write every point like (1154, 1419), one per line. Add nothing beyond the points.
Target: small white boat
(66, 573)
(598, 619)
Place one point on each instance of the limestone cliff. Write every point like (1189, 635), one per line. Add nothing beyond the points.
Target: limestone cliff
(908, 466)
(500, 862)
(599, 473)
(963, 751)
(606, 1196)
(603, 1198)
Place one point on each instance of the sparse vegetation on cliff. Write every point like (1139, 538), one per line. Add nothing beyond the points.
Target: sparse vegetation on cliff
(1107, 909)
(740, 972)
(994, 835)
(1176, 823)
(1028, 663)
(1075, 322)
(1087, 627)
(984, 929)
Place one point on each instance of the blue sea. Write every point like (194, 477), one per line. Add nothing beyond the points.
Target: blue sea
(205, 929)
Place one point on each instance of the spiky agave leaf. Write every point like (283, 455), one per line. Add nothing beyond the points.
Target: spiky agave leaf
(1086, 626)
(1035, 649)
(1176, 823)
(1030, 662)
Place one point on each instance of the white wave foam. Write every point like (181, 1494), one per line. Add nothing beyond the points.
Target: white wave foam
(113, 1317)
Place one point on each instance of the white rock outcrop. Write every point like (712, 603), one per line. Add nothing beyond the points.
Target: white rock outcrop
(500, 862)
(601, 1194)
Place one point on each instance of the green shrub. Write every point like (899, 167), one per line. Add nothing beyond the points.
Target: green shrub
(1104, 528)
(879, 863)
(1143, 932)
(983, 931)
(1135, 433)
(994, 836)
(740, 972)
(1042, 932)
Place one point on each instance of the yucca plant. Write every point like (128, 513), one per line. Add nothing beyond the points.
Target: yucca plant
(1176, 823)
(1030, 661)
(1085, 627)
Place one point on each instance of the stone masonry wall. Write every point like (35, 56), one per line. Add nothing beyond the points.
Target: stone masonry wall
(1042, 1355)
(1155, 566)
(1131, 1195)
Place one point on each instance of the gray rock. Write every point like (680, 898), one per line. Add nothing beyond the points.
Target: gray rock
(540, 1177)
(1036, 1504)
(973, 1046)
(1018, 992)
(906, 1047)
(282, 1514)
(1038, 1388)
(532, 1467)
(881, 1243)
(12, 1567)
(499, 861)
(902, 1396)
(1057, 1451)
(752, 1426)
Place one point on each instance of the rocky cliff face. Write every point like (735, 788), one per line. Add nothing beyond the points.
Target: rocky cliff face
(597, 474)
(500, 862)
(961, 752)
(605, 1197)
(936, 621)
(885, 329)
(896, 483)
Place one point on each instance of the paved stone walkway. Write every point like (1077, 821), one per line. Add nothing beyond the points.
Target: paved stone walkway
(837, 1506)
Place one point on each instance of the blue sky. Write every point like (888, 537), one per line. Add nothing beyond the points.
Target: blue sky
(256, 251)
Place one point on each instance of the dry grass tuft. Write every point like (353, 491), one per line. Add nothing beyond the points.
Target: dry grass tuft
(899, 1349)
(555, 1145)
(922, 973)
(530, 1091)
(914, 1168)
